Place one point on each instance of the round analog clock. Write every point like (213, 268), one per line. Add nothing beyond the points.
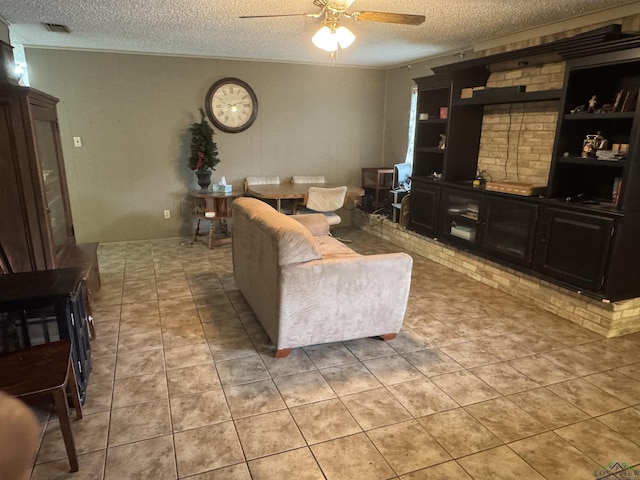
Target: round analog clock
(231, 105)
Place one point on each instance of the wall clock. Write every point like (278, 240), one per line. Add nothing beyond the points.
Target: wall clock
(231, 105)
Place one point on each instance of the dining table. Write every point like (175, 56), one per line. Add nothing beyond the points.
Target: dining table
(295, 191)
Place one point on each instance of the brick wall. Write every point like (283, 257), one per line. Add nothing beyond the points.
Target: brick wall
(608, 319)
(516, 143)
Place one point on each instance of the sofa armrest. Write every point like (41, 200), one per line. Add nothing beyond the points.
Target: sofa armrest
(343, 298)
(316, 223)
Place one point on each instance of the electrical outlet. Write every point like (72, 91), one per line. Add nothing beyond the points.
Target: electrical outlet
(77, 142)
(167, 214)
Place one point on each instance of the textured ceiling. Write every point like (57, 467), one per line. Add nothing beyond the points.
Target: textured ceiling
(212, 27)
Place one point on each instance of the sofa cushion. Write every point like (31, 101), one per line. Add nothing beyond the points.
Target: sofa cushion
(316, 223)
(295, 243)
(330, 247)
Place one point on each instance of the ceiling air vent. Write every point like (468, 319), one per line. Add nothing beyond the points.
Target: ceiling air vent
(55, 27)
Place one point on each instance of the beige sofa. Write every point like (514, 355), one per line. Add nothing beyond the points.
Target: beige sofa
(306, 287)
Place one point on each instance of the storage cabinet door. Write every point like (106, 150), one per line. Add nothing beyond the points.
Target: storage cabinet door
(424, 208)
(461, 223)
(509, 229)
(79, 334)
(55, 195)
(574, 247)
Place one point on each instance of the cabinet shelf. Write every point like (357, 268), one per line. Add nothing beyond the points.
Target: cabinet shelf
(53, 200)
(598, 116)
(202, 216)
(592, 162)
(440, 121)
(511, 98)
(590, 206)
(50, 179)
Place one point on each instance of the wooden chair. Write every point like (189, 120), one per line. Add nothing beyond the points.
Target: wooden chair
(308, 179)
(325, 201)
(272, 180)
(40, 370)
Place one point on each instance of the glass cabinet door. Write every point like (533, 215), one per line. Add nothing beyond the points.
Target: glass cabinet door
(52, 180)
(509, 229)
(461, 216)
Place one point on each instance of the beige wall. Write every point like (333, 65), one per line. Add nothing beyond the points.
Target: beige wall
(132, 113)
(4, 32)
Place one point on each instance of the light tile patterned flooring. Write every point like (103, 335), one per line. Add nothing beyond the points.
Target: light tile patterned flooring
(477, 385)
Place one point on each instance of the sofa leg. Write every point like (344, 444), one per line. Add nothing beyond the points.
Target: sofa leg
(283, 353)
(389, 336)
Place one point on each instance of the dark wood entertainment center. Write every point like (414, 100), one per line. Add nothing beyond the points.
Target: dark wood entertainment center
(580, 233)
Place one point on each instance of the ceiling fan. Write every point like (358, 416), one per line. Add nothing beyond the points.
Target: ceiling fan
(332, 35)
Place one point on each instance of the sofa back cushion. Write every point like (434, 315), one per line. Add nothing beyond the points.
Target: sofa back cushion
(294, 242)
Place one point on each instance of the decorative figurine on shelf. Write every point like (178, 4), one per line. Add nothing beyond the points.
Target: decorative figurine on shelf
(578, 109)
(589, 146)
(442, 144)
(593, 101)
(613, 107)
(601, 142)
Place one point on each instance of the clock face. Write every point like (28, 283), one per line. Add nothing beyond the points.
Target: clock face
(231, 105)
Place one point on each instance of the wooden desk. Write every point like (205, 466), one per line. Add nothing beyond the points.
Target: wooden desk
(381, 185)
(45, 369)
(296, 190)
(217, 203)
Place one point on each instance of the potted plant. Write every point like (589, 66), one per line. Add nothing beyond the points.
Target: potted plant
(204, 151)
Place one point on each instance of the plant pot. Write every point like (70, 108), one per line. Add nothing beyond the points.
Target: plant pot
(204, 178)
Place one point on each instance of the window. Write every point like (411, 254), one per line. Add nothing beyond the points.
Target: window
(21, 65)
(412, 124)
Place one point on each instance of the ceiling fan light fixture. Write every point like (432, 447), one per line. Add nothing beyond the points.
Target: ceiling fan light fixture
(329, 39)
(341, 4)
(345, 37)
(325, 39)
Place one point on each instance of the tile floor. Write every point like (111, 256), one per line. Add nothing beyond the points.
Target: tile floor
(478, 385)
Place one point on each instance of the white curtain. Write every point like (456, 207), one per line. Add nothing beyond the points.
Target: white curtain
(412, 124)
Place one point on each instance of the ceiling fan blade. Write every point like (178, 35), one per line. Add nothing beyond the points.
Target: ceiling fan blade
(281, 15)
(402, 18)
